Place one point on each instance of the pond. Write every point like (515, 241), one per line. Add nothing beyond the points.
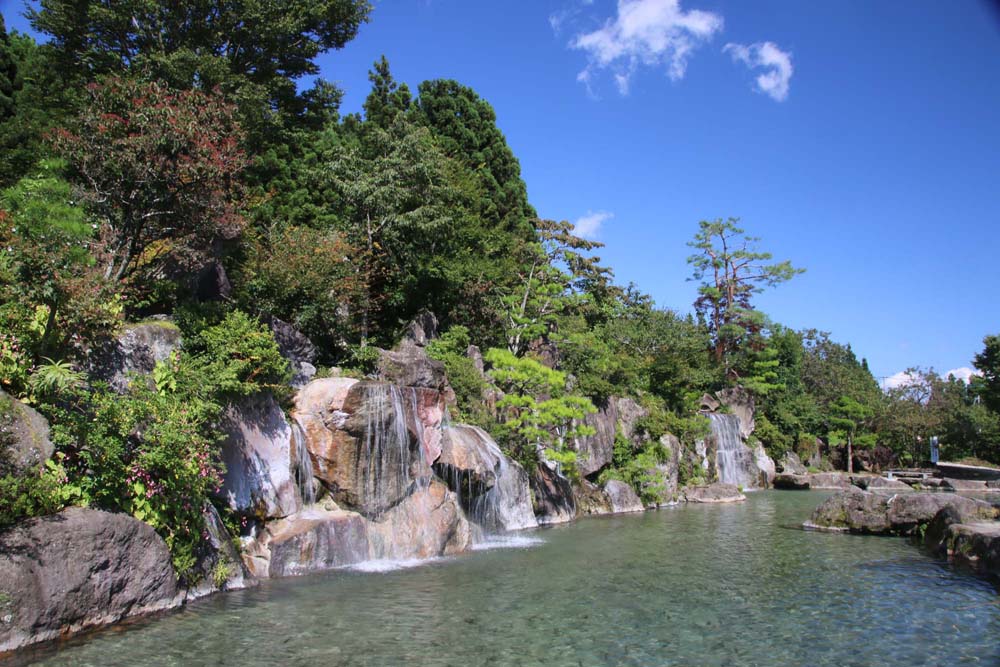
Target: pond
(690, 585)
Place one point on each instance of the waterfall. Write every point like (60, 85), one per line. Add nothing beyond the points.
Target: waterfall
(734, 462)
(384, 460)
(303, 471)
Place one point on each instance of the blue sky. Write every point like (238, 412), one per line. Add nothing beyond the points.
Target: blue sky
(869, 152)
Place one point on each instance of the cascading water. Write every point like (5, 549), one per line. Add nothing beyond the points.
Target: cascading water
(303, 471)
(384, 461)
(734, 462)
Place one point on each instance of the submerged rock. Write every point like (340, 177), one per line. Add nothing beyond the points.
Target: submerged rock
(100, 569)
(713, 493)
(24, 437)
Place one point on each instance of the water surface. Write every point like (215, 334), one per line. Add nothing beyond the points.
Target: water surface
(691, 585)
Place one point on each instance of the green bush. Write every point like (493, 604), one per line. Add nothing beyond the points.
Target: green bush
(463, 376)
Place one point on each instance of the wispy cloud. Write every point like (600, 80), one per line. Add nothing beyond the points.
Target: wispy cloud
(589, 226)
(774, 81)
(651, 33)
(964, 373)
(905, 378)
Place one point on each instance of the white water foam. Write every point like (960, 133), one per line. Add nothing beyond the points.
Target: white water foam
(507, 542)
(382, 565)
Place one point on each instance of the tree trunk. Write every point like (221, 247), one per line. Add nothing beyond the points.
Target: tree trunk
(850, 454)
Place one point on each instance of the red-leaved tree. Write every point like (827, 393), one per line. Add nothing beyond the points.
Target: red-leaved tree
(159, 169)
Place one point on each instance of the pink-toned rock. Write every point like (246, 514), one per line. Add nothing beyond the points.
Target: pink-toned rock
(428, 523)
(312, 541)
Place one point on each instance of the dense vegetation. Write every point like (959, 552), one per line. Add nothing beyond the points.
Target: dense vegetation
(139, 147)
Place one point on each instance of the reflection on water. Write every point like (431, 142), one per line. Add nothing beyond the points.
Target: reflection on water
(692, 585)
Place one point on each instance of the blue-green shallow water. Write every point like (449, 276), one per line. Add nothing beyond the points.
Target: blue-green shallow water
(694, 585)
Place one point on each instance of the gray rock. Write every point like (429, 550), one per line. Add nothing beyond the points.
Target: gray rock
(313, 541)
(257, 453)
(102, 568)
(552, 495)
(765, 464)
(212, 283)
(136, 350)
(219, 566)
(623, 497)
(24, 437)
(423, 328)
(829, 480)
(591, 499)
(409, 366)
(594, 452)
(885, 484)
(297, 348)
(494, 490)
(953, 484)
(790, 463)
(791, 481)
(713, 493)
(863, 512)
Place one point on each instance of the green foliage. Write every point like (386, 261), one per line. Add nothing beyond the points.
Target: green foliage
(465, 379)
(29, 495)
(530, 423)
(239, 357)
(987, 362)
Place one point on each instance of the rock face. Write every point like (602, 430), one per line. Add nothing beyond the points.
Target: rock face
(966, 539)
(137, 349)
(790, 481)
(494, 491)
(297, 348)
(740, 403)
(428, 523)
(102, 568)
(314, 541)
(24, 437)
(765, 464)
(409, 366)
(887, 485)
(713, 493)
(219, 565)
(863, 512)
(591, 499)
(370, 442)
(594, 452)
(553, 495)
(258, 453)
(829, 480)
(790, 463)
(622, 496)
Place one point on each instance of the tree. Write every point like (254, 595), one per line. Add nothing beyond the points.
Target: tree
(553, 274)
(848, 416)
(387, 99)
(10, 82)
(731, 271)
(159, 170)
(537, 415)
(987, 362)
(255, 50)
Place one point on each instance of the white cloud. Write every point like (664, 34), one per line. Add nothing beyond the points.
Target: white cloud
(589, 226)
(654, 33)
(964, 373)
(766, 55)
(900, 379)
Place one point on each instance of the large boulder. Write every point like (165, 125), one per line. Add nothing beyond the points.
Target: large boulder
(765, 464)
(135, 350)
(552, 495)
(886, 485)
(77, 569)
(622, 496)
(864, 512)
(258, 454)
(427, 524)
(713, 493)
(370, 443)
(829, 480)
(24, 437)
(313, 541)
(792, 482)
(409, 366)
(790, 463)
(494, 490)
(219, 566)
(591, 499)
(297, 348)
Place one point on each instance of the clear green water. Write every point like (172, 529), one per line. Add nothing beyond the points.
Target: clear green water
(695, 585)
